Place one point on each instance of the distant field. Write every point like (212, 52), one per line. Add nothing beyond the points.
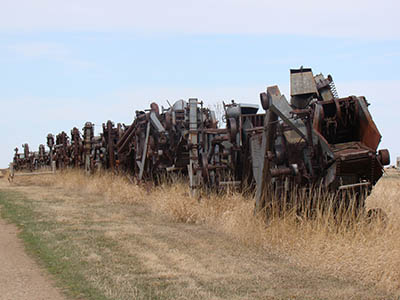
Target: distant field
(126, 241)
(3, 173)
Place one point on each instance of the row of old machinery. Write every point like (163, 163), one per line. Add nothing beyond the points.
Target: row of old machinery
(313, 139)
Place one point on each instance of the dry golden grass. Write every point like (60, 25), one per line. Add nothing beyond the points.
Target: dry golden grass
(361, 251)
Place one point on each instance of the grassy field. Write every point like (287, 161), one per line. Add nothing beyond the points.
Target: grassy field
(105, 238)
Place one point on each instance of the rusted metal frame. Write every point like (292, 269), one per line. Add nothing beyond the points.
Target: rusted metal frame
(76, 151)
(108, 130)
(263, 176)
(144, 154)
(355, 185)
(214, 130)
(126, 135)
(257, 129)
(193, 168)
(87, 145)
(278, 104)
(127, 139)
(213, 167)
(336, 100)
(305, 116)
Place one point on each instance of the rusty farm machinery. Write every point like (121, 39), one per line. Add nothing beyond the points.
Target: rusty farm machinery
(313, 139)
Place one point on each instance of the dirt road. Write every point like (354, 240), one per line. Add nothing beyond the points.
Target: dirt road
(20, 277)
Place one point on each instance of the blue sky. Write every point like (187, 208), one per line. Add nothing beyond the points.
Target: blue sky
(65, 63)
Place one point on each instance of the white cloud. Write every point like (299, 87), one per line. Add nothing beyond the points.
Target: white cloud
(357, 18)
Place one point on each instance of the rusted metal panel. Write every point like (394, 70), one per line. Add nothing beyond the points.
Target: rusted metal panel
(302, 82)
(370, 135)
(302, 87)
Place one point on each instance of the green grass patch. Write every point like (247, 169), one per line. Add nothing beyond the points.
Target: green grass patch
(48, 249)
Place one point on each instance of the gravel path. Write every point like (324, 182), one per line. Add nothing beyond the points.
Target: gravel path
(20, 277)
